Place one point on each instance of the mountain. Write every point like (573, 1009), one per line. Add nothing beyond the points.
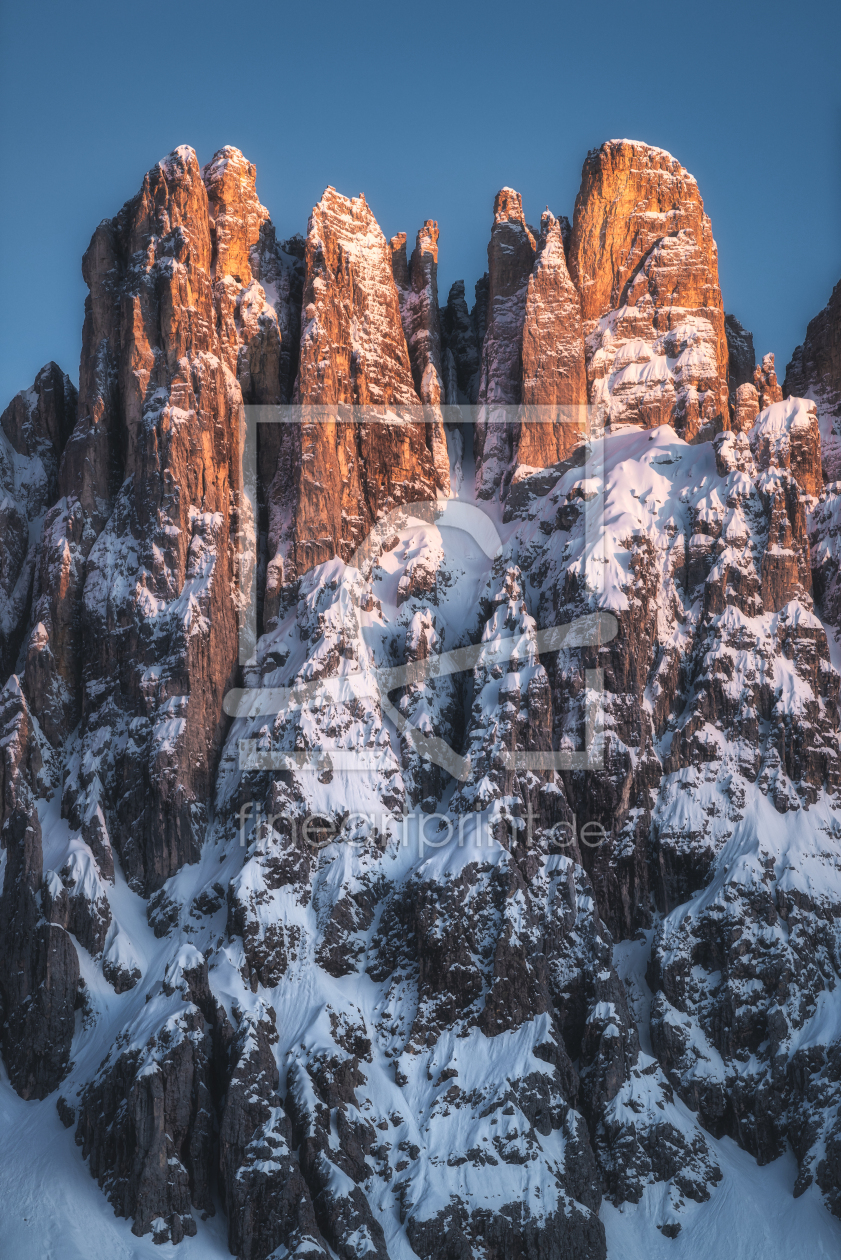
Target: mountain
(476, 893)
(815, 372)
(644, 260)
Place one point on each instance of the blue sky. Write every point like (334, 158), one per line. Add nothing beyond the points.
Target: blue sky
(428, 110)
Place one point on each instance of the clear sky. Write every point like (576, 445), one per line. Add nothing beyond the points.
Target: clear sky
(428, 109)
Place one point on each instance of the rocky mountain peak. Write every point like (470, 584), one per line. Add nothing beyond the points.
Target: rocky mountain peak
(742, 358)
(354, 350)
(173, 197)
(765, 383)
(427, 239)
(508, 208)
(643, 258)
(399, 263)
(34, 429)
(236, 212)
(422, 327)
(38, 421)
(815, 372)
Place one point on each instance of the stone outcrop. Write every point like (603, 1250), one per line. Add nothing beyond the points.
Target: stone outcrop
(37, 423)
(554, 373)
(816, 364)
(745, 407)
(511, 254)
(154, 1162)
(35, 427)
(335, 475)
(266, 1197)
(39, 975)
(643, 258)
(787, 435)
(825, 549)
(482, 775)
(463, 331)
(349, 277)
(198, 1110)
(257, 283)
(765, 383)
(417, 286)
(178, 326)
(171, 528)
(744, 400)
(531, 385)
(815, 372)
(741, 354)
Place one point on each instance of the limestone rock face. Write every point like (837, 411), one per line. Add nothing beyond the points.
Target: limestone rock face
(741, 353)
(138, 561)
(38, 422)
(815, 372)
(745, 407)
(257, 288)
(334, 476)
(494, 939)
(154, 1159)
(463, 332)
(787, 435)
(158, 580)
(500, 798)
(417, 286)
(349, 277)
(400, 264)
(268, 1201)
(646, 266)
(511, 254)
(35, 427)
(554, 372)
(825, 545)
(257, 283)
(39, 975)
(816, 364)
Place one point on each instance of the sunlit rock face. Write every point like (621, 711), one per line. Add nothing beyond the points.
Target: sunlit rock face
(334, 478)
(134, 629)
(417, 287)
(646, 266)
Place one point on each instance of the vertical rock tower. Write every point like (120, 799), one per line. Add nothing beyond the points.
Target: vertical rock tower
(815, 372)
(511, 254)
(334, 475)
(646, 266)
